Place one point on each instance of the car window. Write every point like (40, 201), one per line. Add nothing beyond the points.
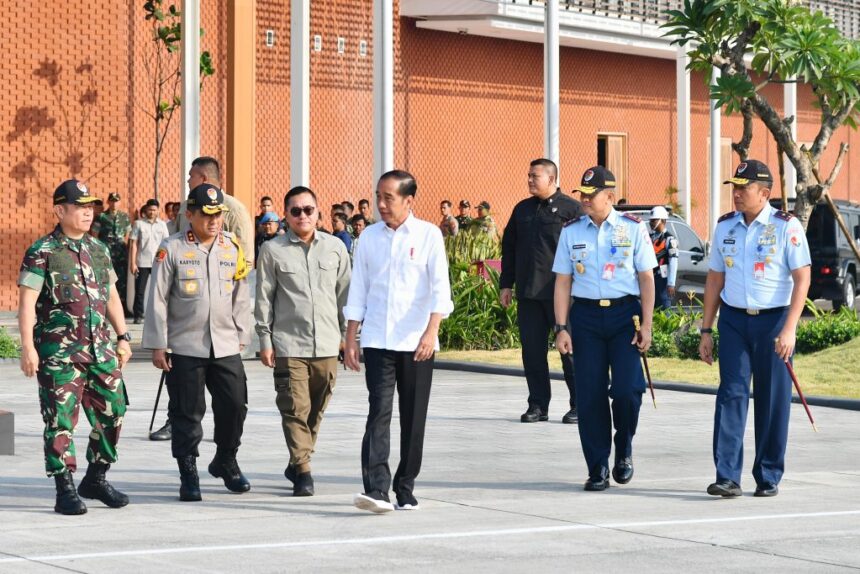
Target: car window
(687, 238)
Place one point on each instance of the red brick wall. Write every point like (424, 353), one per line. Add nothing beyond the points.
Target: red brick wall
(468, 114)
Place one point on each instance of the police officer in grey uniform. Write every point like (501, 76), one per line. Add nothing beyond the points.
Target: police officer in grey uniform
(200, 310)
(608, 260)
(759, 277)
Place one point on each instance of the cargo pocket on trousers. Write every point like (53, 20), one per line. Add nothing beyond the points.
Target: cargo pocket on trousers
(283, 396)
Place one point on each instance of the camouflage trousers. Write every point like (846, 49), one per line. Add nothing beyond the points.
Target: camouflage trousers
(63, 388)
(119, 259)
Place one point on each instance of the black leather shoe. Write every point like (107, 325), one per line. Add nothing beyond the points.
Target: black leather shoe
(304, 485)
(622, 472)
(95, 485)
(598, 481)
(533, 415)
(164, 433)
(766, 490)
(224, 466)
(68, 501)
(725, 488)
(290, 473)
(189, 488)
(571, 417)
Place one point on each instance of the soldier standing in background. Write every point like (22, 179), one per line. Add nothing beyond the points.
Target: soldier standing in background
(66, 293)
(113, 229)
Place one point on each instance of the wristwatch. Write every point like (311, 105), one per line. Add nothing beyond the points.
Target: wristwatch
(706, 331)
(124, 337)
(559, 328)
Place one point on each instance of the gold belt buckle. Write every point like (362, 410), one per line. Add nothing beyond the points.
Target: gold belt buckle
(605, 303)
(752, 312)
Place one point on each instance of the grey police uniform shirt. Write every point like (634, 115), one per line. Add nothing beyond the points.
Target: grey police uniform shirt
(194, 303)
(301, 292)
(758, 258)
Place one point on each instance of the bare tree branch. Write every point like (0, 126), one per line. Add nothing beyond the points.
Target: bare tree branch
(742, 147)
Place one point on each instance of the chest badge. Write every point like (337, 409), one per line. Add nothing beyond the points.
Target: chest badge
(730, 262)
(191, 287)
(580, 268)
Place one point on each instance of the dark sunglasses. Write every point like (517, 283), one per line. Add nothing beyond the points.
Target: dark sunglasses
(297, 211)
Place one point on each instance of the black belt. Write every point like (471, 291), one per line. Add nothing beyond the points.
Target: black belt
(754, 312)
(605, 302)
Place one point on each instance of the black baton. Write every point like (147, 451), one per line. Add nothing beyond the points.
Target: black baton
(157, 397)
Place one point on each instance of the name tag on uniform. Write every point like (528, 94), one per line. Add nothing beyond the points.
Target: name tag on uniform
(578, 246)
(758, 270)
(729, 241)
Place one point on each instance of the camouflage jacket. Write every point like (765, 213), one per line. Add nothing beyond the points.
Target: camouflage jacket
(113, 228)
(73, 279)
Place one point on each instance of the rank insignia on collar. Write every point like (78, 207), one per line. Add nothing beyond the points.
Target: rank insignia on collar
(189, 237)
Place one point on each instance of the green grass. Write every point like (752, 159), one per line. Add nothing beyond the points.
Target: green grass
(832, 372)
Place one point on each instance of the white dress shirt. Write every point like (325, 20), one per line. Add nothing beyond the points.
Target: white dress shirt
(399, 278)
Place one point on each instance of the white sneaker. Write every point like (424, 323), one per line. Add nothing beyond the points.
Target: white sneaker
(366, 502)
(407, 506)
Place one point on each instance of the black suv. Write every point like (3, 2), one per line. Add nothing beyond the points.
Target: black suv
(834, 267)
(692, 252)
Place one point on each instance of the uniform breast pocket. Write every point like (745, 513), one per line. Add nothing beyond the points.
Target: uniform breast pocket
(190, 282)
(226, 272)
(65, 292)
(328, 271)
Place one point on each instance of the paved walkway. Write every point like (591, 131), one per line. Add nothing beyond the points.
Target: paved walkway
(496, 495)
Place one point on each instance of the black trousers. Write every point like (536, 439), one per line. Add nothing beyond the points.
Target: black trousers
(385, 370)
(140, 281)
(535, 319)
(225, 379)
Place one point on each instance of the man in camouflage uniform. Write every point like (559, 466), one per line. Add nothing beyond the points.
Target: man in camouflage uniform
(113, 229)
(66, 294)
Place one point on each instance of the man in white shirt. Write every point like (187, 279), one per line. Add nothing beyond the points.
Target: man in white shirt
(146, 235)
(399, 294)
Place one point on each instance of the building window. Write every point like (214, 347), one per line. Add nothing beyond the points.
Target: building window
(612, 154)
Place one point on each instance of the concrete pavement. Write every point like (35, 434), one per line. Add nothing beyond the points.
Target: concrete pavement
(496, 495)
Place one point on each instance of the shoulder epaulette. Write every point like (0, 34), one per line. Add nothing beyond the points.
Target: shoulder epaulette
(783, 215)
(189, 237)
(631, 217)
(574, 220)
(726, 216)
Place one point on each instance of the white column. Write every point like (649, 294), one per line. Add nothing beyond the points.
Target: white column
(551, 81)
(190, 89)
(715, 164)
(383, 88)
(300, 88)
(790, 109)
(682, 99)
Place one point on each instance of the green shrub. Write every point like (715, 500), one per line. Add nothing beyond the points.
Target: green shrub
(688, 344)
(468, 247)
(478, 322)
(827, 329)
(8, 345)
(662, 344)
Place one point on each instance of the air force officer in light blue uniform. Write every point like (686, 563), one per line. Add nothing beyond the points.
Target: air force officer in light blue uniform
(759, 276)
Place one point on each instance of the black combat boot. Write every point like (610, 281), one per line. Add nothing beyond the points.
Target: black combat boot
(224, 466)
(189, 489)
(67, 497)
(95, 485)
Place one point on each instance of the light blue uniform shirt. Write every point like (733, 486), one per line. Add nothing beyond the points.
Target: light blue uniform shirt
(605, 261)
(758, 259)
